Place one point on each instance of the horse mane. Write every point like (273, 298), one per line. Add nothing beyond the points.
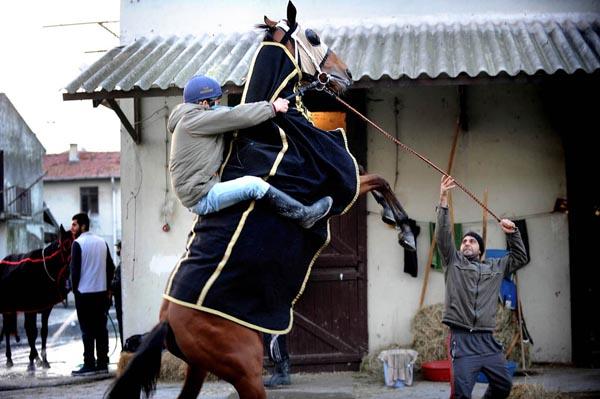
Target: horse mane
(268, 31)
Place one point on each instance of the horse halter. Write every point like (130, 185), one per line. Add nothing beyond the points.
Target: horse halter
(62, 260)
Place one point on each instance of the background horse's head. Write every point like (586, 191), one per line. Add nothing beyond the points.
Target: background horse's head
(65, 242)
(316, 59)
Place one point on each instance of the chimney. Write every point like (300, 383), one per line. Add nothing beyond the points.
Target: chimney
(73, 154)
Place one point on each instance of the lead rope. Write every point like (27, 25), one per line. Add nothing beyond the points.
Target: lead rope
(404, 147)
(45, 267)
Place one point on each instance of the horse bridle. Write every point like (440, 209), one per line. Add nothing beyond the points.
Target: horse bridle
(291, 33)
(62, 256)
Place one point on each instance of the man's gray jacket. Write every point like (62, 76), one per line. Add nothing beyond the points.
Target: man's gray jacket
(472, 287)
(197, 144)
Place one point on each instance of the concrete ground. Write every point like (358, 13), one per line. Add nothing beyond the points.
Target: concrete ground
(65, 352)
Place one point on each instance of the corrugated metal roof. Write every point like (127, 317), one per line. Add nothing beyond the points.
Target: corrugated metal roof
(394, 50)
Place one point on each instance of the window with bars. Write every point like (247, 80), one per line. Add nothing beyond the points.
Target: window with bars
(89, 199)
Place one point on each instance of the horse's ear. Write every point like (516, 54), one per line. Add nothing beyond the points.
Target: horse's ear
(62, 232)
(291, 14)
(270, 23)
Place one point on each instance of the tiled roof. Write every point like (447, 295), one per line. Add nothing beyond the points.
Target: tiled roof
(91, 165)
(564, 42)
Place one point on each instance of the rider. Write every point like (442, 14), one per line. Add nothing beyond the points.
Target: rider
(198, 126)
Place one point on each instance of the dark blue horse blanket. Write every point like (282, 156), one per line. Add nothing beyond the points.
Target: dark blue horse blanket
(246, 263)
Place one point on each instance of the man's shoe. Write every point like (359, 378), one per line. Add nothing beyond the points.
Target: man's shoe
(102, 369)
(84, 370)
(281, 376)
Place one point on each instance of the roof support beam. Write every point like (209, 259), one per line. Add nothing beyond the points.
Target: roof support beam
(135, 133)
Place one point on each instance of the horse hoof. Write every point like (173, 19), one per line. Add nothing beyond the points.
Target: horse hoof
(9, 363)
(38, 362)
(407, 239)
(45, 364)
(31, 368)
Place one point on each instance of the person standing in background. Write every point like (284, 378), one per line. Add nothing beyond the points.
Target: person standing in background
(92, 271)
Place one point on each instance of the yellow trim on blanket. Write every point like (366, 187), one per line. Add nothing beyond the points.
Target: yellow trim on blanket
(226, 316)
(226, 255)
(357, 192)
(184, 257)
(251, 70)
(314, 258)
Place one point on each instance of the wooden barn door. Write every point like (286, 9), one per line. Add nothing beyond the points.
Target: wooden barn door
(330, 320)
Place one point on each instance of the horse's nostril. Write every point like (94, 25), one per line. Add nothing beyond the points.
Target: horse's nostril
(348, 73)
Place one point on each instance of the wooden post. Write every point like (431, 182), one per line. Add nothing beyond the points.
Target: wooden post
(432, 247)
(520, 318)
(485, 218)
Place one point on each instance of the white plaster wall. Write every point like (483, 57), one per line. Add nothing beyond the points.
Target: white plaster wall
(148, 253)
(510, 150)
(63, 199)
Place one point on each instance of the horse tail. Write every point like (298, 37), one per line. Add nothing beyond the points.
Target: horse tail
(143, 369)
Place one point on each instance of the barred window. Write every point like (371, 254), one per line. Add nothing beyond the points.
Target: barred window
(89, 199)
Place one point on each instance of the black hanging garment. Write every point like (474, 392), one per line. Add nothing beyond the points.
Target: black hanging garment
(411, 264)
(246, 263)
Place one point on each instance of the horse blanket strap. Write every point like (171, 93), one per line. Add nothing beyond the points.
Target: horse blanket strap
(246, 263)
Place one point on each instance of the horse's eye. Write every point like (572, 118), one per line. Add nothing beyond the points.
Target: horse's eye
(312, 37)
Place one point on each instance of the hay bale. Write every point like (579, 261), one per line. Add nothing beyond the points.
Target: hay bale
(507, 328)
(429, 334)
(533, 391)
(172, 369)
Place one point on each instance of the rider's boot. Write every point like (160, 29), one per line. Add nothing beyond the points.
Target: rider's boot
(281, 376)
(288, 207)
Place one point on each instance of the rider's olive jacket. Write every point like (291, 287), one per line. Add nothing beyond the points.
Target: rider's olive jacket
(472, 287)
(197, 144)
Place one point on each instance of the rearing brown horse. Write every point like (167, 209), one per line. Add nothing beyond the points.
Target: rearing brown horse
(211, 340)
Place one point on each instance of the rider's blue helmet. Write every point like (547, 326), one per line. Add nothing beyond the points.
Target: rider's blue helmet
(201, 88)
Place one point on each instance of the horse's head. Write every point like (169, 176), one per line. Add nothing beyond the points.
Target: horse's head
(315, 58)
(65, 241)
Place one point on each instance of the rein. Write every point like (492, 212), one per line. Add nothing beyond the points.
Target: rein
(45, 267)
(394, 140)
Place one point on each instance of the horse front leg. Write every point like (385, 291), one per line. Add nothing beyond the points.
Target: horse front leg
(393, 212)
(44, 334)
(6, 331)
(31, 331)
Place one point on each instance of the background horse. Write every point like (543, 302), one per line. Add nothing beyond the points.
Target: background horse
(210, 340)
(33, 283)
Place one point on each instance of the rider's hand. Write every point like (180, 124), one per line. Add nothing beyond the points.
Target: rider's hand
(445, 186)
(281, 105)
